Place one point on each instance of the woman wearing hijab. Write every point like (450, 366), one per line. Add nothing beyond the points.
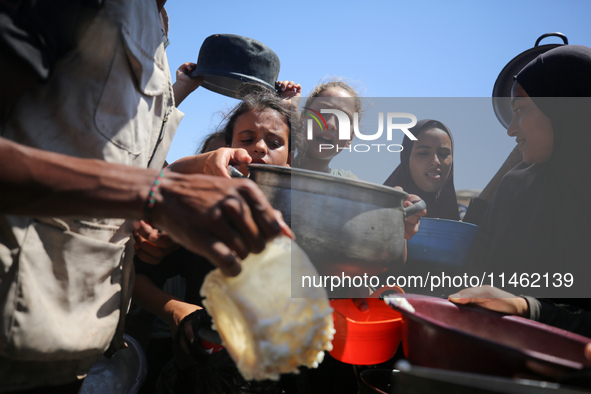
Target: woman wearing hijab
(538, 220)
(426, 169)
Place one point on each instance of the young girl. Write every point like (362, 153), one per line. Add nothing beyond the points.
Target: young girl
(257, 130)
(310, 156)
(426, 169)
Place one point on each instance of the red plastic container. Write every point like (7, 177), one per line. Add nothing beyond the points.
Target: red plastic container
(365, 338)
(441, 334)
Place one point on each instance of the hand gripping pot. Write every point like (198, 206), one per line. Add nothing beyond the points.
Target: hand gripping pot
(265, 330)
(228, 62)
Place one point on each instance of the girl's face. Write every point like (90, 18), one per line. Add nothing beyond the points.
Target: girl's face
(431, 160)
(264, 135)
(531, 128)
(325, 137)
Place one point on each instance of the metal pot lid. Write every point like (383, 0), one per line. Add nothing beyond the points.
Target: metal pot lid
(228, 62)
(502, 88)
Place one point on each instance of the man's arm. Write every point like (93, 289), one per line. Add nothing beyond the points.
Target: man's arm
(221, 219)
(40, 183)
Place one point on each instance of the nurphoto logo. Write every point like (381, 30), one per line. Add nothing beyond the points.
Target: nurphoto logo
(344, 128)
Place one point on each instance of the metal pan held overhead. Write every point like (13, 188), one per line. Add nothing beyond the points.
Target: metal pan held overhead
(502, 88)
(229, 62)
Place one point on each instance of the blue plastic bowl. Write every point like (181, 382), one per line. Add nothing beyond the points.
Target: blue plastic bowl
(442, 242)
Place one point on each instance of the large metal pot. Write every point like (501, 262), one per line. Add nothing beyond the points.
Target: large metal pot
(338, 219)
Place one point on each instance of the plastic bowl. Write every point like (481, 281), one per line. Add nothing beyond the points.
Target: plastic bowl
(365, 338)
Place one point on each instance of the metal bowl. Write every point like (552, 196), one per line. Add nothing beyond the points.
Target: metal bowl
(228, 62)
(123, 373)
(410, 379)
(441, 242)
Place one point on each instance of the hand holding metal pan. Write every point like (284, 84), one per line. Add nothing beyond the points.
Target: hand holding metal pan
(441, 334)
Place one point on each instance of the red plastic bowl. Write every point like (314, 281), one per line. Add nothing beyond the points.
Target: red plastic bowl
(365, 338)
(441, 334)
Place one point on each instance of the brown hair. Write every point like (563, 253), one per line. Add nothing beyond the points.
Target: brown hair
(260, 99)
(212, 141)
(335, 84)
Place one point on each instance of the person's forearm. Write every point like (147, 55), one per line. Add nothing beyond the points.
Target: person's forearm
(40, 183)
(190, 164)
(162, 304)
(180, 93)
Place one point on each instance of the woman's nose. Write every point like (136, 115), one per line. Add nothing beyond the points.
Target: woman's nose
(513, 127)
(435, 161)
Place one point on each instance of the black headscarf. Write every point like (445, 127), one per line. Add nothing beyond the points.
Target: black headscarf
(539, 218)
(441, 204)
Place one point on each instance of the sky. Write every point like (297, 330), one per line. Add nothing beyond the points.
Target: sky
(385, 49)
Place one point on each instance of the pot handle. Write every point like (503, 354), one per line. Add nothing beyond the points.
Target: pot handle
(555, 34)
(416, 207)
(234, 173)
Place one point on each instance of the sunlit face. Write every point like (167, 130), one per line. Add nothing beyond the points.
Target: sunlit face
(264, 135)
(332, 98)
(531, 128)
(431, 160)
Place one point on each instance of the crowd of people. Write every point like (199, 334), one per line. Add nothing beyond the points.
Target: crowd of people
(93, 218)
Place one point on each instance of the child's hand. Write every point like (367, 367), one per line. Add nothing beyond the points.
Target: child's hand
(218, 161)
(151, 245)
(184, 84)
(411, 223)
(183, 75)
(289, 91)
(215, 162)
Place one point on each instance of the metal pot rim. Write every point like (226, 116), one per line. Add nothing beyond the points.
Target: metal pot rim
(289, 171)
